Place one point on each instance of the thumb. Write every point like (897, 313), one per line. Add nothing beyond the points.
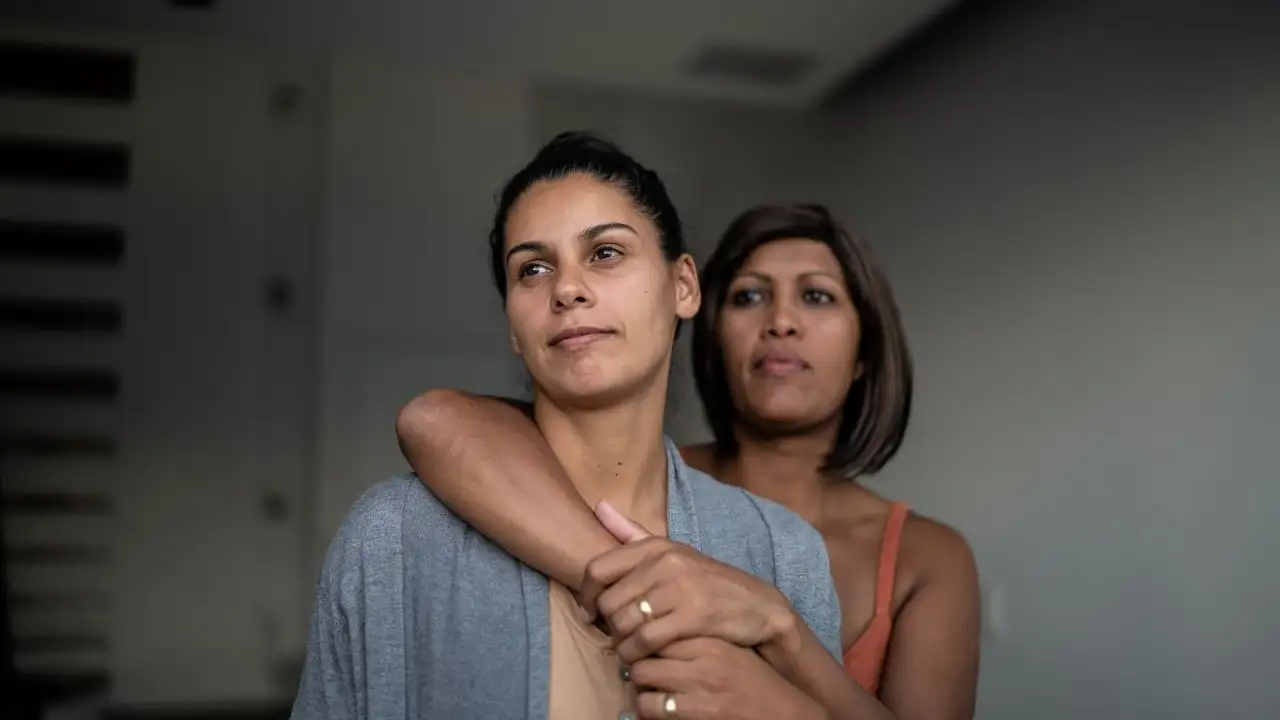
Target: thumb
(621, 526)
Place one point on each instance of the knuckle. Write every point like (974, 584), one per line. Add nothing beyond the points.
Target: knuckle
(717, 681)
(671, 560)
(595, 570)
(694, 597)
(641, 674)
(648, 636)
(609, 615)
(648, 546)
(696, 606)
(607, 604)
(702, 648)
(695, 673)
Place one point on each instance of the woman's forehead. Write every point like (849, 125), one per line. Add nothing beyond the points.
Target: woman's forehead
(563, 208)
(790, 256)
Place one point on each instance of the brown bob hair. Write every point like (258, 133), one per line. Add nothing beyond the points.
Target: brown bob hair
(877, 408)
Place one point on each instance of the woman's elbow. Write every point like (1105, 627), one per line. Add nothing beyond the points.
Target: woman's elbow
(423, 416)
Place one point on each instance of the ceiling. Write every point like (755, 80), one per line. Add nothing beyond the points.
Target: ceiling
(779, 52)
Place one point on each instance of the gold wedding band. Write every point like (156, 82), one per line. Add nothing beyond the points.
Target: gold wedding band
(645, 608)
(668, 705)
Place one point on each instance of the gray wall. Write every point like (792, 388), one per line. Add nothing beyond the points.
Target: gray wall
(1080, 207)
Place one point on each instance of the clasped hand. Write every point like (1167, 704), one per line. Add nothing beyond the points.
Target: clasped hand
(696, 642)
(689, 594)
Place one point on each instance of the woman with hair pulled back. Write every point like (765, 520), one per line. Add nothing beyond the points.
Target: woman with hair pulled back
(806, 381)
(417, 615)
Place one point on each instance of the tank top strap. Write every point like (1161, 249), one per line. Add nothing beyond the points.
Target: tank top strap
(887, 570)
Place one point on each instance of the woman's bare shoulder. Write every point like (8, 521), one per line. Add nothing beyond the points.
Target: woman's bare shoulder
(934, 552)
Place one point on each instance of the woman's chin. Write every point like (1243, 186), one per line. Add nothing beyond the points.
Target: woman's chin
(593, 394)
(787, 418)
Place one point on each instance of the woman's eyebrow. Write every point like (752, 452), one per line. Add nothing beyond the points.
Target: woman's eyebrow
(527, 247)
(596, 231)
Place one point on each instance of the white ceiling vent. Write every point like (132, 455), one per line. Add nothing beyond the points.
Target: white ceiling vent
(750, 65)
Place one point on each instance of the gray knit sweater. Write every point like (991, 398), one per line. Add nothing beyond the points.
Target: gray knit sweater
(417, 615)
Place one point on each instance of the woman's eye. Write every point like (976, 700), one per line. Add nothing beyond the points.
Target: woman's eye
(605, 252)
(531, 269)
(818, 297)
(743, 298)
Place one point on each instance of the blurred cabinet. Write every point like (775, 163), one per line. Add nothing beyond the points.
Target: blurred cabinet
(157, 383)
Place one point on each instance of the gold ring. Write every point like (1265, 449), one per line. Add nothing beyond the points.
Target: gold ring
(645, 608)
(668, 705)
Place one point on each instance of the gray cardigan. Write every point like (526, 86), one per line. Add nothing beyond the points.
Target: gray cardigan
(417, 615)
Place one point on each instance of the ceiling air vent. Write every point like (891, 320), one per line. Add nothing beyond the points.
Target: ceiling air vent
(749, 65)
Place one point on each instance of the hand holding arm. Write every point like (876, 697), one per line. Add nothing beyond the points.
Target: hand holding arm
(692, 596)
(708, 678)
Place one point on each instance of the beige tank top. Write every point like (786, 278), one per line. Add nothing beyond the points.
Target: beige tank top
(586, 676)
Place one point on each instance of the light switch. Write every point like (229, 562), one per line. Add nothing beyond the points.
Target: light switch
(995, 610)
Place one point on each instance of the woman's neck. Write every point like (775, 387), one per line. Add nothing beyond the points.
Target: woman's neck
(615, 453)
(787, 470)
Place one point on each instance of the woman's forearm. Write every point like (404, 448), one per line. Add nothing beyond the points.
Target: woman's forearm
(486, 460)
(800, 657)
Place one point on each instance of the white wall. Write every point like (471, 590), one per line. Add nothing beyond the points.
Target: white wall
(1078, 205)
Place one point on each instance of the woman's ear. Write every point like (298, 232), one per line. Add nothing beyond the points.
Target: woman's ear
(688, 291)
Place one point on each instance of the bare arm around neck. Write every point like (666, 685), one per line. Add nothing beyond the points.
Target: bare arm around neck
(487, 462)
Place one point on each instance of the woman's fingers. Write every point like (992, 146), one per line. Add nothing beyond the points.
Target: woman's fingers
(659, 673)
(674, 619)
(622, 527)
(673, 706)
(622, 600)
(611, 567)
(653, 637)
(664, 681)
